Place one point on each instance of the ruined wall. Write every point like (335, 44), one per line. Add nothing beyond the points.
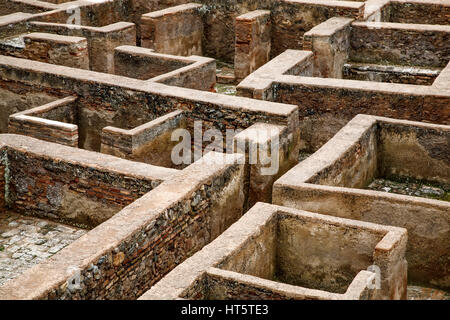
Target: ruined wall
(49, 48)
(414, 151)
(387, 73)
(292, 18)
(417, 45)
(418, 11)
(254, 247)
(330, 42)
(11, 6)
(73, 193)
(252, 45)
(127, 103)
(53, 122)
(177, 30)
(101, 41)
(270, 151)
(326, 105)
(150, 143)
(427, 220)
(258, 255)
(15, 98)
(140, 63)
(133, 250)
(341, 252)
(200, 75)
(356, 163)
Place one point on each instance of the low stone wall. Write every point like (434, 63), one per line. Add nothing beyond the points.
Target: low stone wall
(192, 72)
(400, 44)
(292, 18)
(110, 100)
(325, 183)
(124, 256)
(270, 151)
(13, 24)
(387, 73)
(143, 64)
(252, 45)
(418, 11)
(150, 143)
(101, 40)
(327, 104)
(70, 185)
(52, 122)
(330, 43)
(50, 48)
(264, 246)
(26, 6)
(177, 30)
(258, 85)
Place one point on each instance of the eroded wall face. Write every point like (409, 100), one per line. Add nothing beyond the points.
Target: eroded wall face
(258, 256)
(414, 152)
(414, 12)
(319, 256)
(68, 193)
(15, 98)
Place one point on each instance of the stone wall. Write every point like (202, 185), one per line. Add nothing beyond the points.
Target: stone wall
(141, 63)
(109, 100)
(30, 6)
(14, 98)
(330, 42)
(406, 44)
(150, 143)
(327, 104)
(316, 184)
(52, 122)
(388, 73)
(218, 284)
(78, 188)
(101, 41)
(292, 18)
(252, 45)
(192, 72)
(258, 85)
(124, 256)
(415, 151)
(265, 242)
(177, 30)
(49, 48)
(270, 151)
(418, 11)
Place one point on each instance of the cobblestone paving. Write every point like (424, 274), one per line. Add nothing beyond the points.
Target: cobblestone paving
(412, 188)
(26, 241)
(422, 293)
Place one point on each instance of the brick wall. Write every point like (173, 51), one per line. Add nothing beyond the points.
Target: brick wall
(330, 42)
(176, 30)
(74, 188)
(252, 46)
(149, 143)
(292, 18)
(408, 44)
(418, 11)
(52, 122)
(127, 103)
(101, 40)
(134, 249)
